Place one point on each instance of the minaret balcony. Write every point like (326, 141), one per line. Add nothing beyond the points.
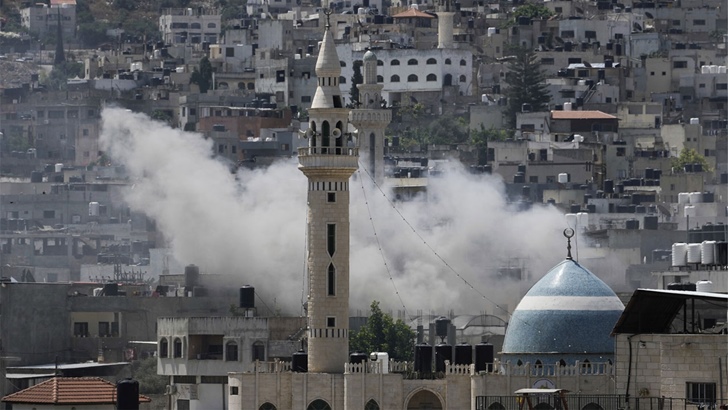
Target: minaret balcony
(329, 157)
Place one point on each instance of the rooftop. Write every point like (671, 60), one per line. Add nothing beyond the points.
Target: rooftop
(581, 115)
(69, 390)
(413, 13)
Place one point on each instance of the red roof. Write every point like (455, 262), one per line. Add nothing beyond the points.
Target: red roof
(581, 115)
(413, 13)
(69, 390)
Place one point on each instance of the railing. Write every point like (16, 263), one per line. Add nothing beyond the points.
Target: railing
(272, 367)
(529, 369)
(348, 151)
(604, 401)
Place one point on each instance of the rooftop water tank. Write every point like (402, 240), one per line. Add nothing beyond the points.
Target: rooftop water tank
(299, 362)
(679, 254)
(443, 353)
(571, 220)
(694, 121)
(463, 353)
(694, 253)
(59, 167)
(484, 357)
(563, 178)
(127, 394)
(582, 220)
(382, 358)
(93, 208)
(683, 198)
(689, 211)
(423, 358)
(704, 286)
(707, 253)
(696, 197)
(567, 106)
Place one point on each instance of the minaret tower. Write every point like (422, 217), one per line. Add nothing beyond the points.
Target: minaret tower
(371, 119)
(445, 14)
(328, 162)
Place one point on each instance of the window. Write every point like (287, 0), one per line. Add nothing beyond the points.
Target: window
(234, 390)
(49, 214)
(676, 22)
(380, 79)
(621, 151)
(330, 321)
(431, 61)
(331, 197)
(431, 77)
(305, 98)
(380, 63)
(342, 80)
(679, 64)
(721, 86)
(394, 62)
(104, 329)
(267, 406)
(331, 281)
(318, 405)
(258, 351)
(331, 238)
(533, 179)
(80, 329)
(567, 34)
(463, 79)
(251, 86)
(342, 63)
(211, 25)
(698, 22)
(178, 347)
(700, 392)
(664, 73)
(229, 52)
(412, 61)
(231, 352)
(412, 78)
(463, 62)
(547, 61)
(371, 405)
(448, 61)
(701, 85)
(583, 73)
(394, 79)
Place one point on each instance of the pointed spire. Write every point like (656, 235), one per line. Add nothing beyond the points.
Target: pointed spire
(327, 64)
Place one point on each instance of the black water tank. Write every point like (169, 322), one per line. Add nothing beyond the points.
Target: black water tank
(721, 253)
(127, 394)
(526, 191)
(632, 224)
(423, 358)
(443, 352)
(299, 362)
(608, 186)
(358, 357)
(651, 222)
(640, 209)
(708, 197)
(192, 276)
(441, 326)
(36, 176)
(574, 208)
(247, 297)
(519, 178)
(587, 197)
(484, 357)
(463, 353)
(591, 208)
(111, 289)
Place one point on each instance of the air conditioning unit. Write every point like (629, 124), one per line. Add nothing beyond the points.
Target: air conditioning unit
(170, 389)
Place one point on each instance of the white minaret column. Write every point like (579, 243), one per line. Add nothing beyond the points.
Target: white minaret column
(445, 13)
(370, 119)
(328, 162)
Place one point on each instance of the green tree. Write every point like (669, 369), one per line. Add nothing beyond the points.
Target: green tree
(145, 372)
(93, 33)
(689, 156)
(58, 78)
(480, 138)
(526, 84)
(532, 11)
(382, 334)
(202, 76)
(356, 79)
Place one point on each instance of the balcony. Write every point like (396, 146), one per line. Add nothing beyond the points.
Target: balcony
(329, 157)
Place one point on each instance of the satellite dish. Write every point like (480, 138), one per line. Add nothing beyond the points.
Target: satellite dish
(336, 133)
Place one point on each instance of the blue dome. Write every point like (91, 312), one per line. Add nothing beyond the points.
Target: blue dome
(568, 311)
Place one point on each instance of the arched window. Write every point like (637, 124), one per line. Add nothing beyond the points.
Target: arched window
(342, 63)
(231, 352)
(258, 352)
(538, 364)
(211, 25)
(519, 363)
(380, 63)
(241, 85)
(394, 62)
(448, 61)
(496, 406)
(331, 280)
(177, 347)
(463, 62)
(371, 405)
(431, 77)
(586, 366)
(223, 85)
(592, 406)
(394, 79)
(342, 80)
(412, 78)
(163, 347)
(380, 79)
(463, 79)
(412, 61)
(431, 61)
(543, 406)
(318, 405)
(267, 406)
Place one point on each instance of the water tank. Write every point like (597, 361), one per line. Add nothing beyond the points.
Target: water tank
(358, 357)
(640, 209)
(382, 358)
(693, 253)
(696, 197)
(111, 289)
(591, 208)
(192, 276)
(519, 178)
(694, 121)
(441, 326)
(683, 198)
(582, 219)
(443, 352)
(568, 106)
(299, 362)
(721, 253)
(526, 191)
(247, 297)
(689, 211)
(127, 394)
(491, 31)
(574, 208)
(608, 186)
(704, 286)
(58, 168)
(522, 168)
(484, 357)
(650, 222)
(707, 252)
(526, 107)
(463, 353)
(679, 254)
(570, 219)
(563, 178)
(632, 224)
(94, 209)
(423, 358)
(36, 176)
(708, 197)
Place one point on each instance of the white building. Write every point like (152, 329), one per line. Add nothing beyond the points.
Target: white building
(190, 26)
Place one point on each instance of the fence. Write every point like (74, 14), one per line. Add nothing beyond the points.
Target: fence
(594, 402)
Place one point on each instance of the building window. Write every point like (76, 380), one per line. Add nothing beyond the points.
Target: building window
(330, 321)
(721, 86)
(318, 405)
(412, 61)
(80, 329)
(229, 52)
(371, 405)
(49, 214)
(621, 152)
(380, 63)
(178, 347)
(342, 63)
(211, 25)
(267, 406)
(331, 281)
(380, 79)
(234, 390)
(163, 348)
(679, 64)
(394, 62)
(533, 179)
(258, 352)
(305, 98)
(664, 73)
(463, 79)
(331, 238)
(676, 23)
(412, 78)
(448, 61)
(431, 61)
(463, 62)
(698, 22)
(231, 352)
(700, 393)
(701, 85)
(331, 197)
(394, 79)
(547, 61)
(431, 77)
(342, 80)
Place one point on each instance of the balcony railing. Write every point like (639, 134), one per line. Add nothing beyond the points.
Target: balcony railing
(347, 151)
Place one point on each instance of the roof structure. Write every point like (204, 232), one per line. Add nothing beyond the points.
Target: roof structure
(655, 310)
(581, 115)
(413, 13)
(69, 390)
(63, 2)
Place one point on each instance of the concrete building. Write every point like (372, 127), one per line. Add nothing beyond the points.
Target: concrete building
(190, 26)
(42, 20)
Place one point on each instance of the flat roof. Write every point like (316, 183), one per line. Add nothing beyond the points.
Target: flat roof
(540, 391)
(18, 376)
(581, 115)
(68, 366)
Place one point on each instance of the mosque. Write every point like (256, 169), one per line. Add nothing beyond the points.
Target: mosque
(558, 336)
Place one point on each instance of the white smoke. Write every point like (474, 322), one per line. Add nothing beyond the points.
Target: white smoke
(253, 225)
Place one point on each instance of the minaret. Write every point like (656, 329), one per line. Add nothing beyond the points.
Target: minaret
(328, 162)
(445, 13)
(371, 119)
